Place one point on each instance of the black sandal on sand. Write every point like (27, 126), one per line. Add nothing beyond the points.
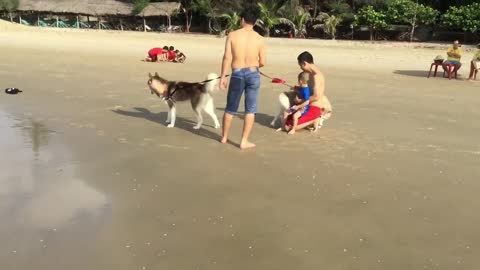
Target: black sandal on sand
(13, 91)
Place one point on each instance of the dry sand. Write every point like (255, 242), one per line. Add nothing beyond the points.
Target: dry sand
(91, 178)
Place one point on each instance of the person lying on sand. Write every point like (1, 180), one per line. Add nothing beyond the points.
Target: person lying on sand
(302, 96)
(157, 54)
(454, 54)
(474, 63)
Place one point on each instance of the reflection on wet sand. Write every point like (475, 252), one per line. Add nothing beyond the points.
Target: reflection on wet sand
(42, 192)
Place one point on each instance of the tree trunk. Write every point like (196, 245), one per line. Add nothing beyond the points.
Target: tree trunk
(412, 32)
(20, 19)
(78, 23)
(315, 8)
(38, 20)
(144, 25)
(210, 25)
(56, 21)
(371, 33)
(188, 19)
(169, 23)
(267, 32)
(99, 23)
(121, 25)
(11, 17)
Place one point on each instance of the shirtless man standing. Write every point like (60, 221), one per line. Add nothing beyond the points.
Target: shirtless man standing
(244, 54)
(319, 104)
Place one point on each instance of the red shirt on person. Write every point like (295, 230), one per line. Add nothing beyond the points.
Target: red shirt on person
(171, 55)
(155, 52)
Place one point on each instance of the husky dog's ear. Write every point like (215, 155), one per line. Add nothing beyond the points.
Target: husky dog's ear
(150, 75)
(156, 74)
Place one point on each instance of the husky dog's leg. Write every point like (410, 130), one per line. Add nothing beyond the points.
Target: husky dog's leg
(274, 121)
(173, 116)
(209, 108)
(197, 105)
(169, 115)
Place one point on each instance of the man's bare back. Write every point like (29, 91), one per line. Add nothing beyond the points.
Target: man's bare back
(247, 48)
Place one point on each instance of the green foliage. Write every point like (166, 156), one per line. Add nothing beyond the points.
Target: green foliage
(296, 17)
(329, 23)
(368, 16)
(269, 14)
(372, 18)
(139, 5)
(412, 13)
(204, 7)
(408, 11)
(466, 18)
(232, 21)
(9, 5)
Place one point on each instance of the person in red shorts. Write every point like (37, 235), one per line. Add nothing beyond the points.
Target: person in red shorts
(317, 86)
(156, 54)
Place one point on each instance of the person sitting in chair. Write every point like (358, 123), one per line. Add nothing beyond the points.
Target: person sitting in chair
(474, 63)
(454, 54)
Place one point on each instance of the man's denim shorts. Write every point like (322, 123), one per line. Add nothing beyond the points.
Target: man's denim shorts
(248, 80)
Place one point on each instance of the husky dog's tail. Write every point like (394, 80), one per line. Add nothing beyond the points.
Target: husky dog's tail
(211, 84)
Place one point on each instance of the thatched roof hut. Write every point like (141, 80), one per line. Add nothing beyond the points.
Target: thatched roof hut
(160, 9)
(96, 7)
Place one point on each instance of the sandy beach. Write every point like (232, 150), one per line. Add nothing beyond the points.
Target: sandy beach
(91, 178)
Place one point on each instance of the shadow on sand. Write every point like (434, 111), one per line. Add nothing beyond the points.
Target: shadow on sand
(260, 118)
(418, 73)
(160, 118)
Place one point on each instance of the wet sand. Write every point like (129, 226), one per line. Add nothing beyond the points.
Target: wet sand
(91, 178)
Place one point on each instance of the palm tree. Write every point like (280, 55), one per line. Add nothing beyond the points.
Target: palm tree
(269, 15)
(328, 23)
(299, 20)
(232, 21)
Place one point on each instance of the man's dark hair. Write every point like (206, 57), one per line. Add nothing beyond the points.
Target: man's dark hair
(250, 13)
(171, 48)
(165, 47)
(305, 57)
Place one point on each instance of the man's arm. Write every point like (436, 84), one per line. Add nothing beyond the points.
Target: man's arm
(226, 62)
(262, 58)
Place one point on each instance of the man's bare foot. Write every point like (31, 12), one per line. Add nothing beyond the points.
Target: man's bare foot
(291, 132)
(224, 140)
(246, 145)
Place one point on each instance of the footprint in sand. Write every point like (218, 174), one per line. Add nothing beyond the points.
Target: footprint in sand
(122, 140)
(90, 125)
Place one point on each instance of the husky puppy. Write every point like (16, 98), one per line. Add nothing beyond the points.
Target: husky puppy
(286, 101)
(199, 95)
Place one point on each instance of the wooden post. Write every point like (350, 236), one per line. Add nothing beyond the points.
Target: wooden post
(99, 23)
(57, 21)
(121, 24)
(78, 22)
(38, 20)
(144, 25)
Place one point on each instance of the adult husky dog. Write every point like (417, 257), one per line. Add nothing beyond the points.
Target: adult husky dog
(199, 95)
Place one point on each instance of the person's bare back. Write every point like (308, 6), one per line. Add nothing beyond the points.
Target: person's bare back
(247, 48)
